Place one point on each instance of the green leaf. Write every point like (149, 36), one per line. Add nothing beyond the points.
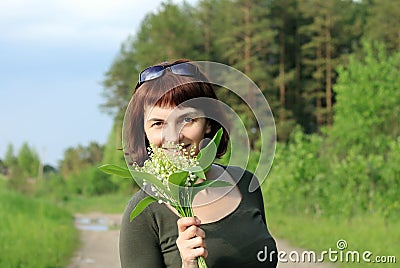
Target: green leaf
(115, 170)
(176, 181)
(150, 178)
(206, 156)
(141, 206)
(178, 178)
(198, 171)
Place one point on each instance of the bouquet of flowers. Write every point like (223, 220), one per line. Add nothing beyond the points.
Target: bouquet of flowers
(173, 177)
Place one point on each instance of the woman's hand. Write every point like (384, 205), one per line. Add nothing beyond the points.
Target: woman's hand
(190, 242)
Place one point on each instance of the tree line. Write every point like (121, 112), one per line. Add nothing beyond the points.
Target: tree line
(76, 173)
(353, 169)
(329, 70)
(289, 48)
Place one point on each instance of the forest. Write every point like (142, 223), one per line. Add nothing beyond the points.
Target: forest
(329, 70)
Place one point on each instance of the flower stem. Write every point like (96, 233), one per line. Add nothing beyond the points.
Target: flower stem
(201, 262)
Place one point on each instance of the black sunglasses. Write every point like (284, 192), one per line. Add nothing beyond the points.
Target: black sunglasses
(153, 72)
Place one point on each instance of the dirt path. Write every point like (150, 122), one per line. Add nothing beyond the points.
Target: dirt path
(100, 235)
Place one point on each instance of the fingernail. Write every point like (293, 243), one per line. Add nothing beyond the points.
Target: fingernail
(197, 220)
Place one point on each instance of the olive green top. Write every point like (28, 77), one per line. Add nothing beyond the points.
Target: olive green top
(241, 239)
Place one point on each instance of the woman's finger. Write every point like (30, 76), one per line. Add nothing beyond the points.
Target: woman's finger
(196, 242)
(197, 252)
(185, 222)
(193, 231)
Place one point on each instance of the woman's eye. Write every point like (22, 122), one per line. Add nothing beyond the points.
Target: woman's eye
(157, 124)
(188, 119)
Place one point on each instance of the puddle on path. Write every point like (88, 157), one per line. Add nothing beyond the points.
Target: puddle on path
(93, 224)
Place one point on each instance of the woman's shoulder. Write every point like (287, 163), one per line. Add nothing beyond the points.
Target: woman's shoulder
(238, 173)
(136, 198)
(244, 178)
(146, 216)
(152, 216)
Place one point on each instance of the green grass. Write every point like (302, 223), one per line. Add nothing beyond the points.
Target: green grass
(111, 203)
(319, 234)
(34, 233)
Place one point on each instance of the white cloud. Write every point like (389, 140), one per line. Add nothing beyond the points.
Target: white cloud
(101, 9)
(102, 21)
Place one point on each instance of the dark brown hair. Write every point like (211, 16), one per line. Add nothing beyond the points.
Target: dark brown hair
(169, 90)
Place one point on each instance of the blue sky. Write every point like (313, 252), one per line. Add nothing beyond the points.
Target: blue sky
(54, 54)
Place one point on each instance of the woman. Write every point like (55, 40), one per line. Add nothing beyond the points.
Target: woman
(170, 106)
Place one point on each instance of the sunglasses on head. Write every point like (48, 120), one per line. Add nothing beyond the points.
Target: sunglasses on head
(153, 72)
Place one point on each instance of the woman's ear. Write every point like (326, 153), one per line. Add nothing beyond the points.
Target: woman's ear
(208, 127)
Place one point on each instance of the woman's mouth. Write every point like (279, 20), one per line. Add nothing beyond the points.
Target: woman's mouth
(175, 149)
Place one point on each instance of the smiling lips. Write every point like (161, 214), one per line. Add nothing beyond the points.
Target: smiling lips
(174, 148)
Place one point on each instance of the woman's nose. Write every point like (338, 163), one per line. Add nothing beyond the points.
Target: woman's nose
(172, 134)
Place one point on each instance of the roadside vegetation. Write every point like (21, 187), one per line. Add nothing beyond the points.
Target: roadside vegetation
(319, 234)
(344, 184)
(34, 233)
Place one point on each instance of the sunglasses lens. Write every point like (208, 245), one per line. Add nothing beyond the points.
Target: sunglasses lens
(151, 73)
(184, 68)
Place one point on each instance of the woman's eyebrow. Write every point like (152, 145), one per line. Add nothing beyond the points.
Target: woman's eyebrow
(188, 114)
(154, 119)
(192, 114)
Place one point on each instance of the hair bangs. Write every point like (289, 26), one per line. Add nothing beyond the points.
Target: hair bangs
(171, 90)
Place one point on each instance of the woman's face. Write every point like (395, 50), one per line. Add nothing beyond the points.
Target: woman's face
(183, 125)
